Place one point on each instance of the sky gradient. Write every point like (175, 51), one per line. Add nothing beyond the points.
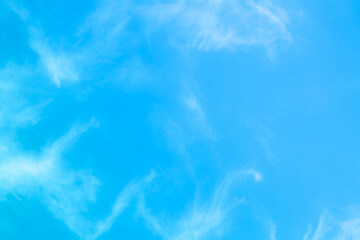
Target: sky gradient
(179, 120)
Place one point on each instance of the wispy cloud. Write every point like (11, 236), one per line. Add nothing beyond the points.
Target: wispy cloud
(132, 191)
(105, 25)
(42, 174)
(324, 225)
(19, 108)
(186, 126)
(336, 227)
(265, 138)
(66, 193)
(21, 12)
(101, 37)
(60, 65)
(16, 109)
(199, 117)
(272, 230)
(212, 25)
(205, 25)
(97, 42)
(204, 219)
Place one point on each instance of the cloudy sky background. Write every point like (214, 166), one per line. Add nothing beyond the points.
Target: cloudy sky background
(178, 120)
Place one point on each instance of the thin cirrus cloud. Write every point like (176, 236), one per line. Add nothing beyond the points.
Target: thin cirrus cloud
(211, 25)
(97, 42)
(198, 115)
(60, 65)
(105, 25)
(179, 131)
(67, 194)
(64, 64)
(131, 192)
(204, 219)
(272, 230)
(336, 227)
(204, 25)
(21, 112)
(216, 24)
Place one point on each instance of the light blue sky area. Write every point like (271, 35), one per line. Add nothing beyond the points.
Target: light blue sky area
(179, 120)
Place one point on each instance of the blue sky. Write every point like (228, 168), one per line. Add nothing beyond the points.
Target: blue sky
(179, 120)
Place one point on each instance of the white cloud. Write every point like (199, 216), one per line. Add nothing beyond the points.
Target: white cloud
(66, 193)
(216, 24)
(198, 116)
(60, 65)
(105, 24)
(16, 110)
(132, 191)
(272, 230)
(183, 128)
(204, 219)
(97, 43)
(264, 136)
(275, 15)
(201, 24)
(345, 226)
(322, 228)
(350, 229)
(19, 108)
(23, 13)
(255, 174)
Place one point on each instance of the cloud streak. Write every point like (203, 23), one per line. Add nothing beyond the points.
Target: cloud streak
(200, 24)
(205, 219)
(217, 24)
(60, 66)
(131, 192)
(16, 110)
(199, 117)
(66, 193)
(332, 227)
